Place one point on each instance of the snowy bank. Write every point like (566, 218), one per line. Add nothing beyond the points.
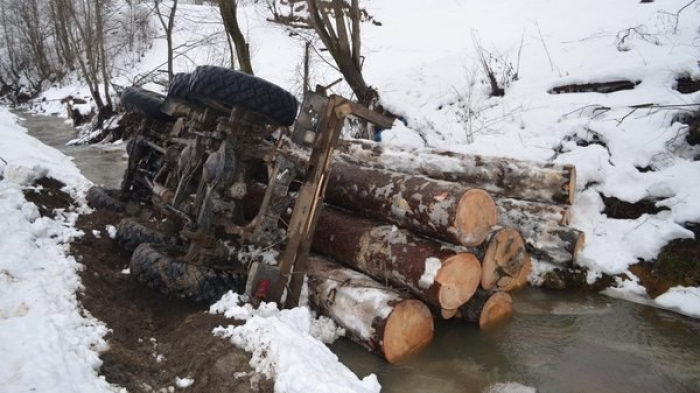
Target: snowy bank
(47, 342)
(288, 346)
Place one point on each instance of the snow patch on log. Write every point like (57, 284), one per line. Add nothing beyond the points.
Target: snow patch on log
(345, 309)
(432, 266)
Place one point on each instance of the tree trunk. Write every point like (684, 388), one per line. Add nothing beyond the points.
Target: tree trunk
(487, 308)
(384, 321)
(527, 180)
(437, 275)
(229, 10)
(443, 210)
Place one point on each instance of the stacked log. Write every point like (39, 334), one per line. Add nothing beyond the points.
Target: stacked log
(382, 320)
(487, 308)
(526, 180)
(380, 182)
(439, 209)
(442, 277)
(456, 231)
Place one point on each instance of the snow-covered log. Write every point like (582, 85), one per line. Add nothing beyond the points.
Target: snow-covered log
(510, 210)
(382, 320)
(486, 308)
(437, 275)
(439, 209)
(546, 240)
(528, 180)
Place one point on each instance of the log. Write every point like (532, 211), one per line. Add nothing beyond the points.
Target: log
(527, 180)
(438, 275)
(522, 280)
(503, 260)
(383, 321)
(438, 209)
(511, 210)
(486, 308)
(546, 241)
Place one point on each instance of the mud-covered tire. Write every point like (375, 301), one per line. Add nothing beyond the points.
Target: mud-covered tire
(235, 89)
(136, 99)
(105, 198)
(131, 233)
(155, 266)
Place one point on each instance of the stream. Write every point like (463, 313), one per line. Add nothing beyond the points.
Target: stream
(555, 342)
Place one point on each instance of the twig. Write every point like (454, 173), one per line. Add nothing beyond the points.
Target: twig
(546, 50)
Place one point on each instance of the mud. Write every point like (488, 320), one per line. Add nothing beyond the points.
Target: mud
(154, 339)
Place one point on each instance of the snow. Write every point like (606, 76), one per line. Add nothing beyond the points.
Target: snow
(183, 383)
(47, 343)
(682, 299)
(432, 266)
(509, 387)
(111, 230)
(285, 345)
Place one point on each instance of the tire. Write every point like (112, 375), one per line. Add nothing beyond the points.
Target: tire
(179, 91)
(155, 266)
(105, 198)
(232, 88)
(131, 234)
(136, 99)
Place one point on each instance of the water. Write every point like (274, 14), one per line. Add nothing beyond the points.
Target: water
(101, 164)
(556, 342)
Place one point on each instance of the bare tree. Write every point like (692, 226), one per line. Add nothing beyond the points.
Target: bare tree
(168, 25)
(337, 24)
(229, 14)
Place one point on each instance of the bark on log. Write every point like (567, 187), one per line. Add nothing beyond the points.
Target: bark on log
(511, 210)
(528, 180)
(384, 321)
(503, 260)
(437, 275)
(439, 209)
(487, 308)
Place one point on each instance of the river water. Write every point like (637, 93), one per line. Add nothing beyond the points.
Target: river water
(556, 342)
(101, 164)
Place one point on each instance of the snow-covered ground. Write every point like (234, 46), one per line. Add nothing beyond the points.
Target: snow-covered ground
(47, 342)
(424, 62)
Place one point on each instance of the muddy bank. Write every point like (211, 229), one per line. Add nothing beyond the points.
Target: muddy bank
(153, 339)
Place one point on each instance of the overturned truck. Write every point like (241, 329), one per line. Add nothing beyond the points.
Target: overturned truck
(225, 188)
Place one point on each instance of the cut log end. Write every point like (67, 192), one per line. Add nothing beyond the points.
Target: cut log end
(475, 215)
(498, 307)
(408, 329)
(459, 278)
(503, 259)
(522, 280)
(571, 185)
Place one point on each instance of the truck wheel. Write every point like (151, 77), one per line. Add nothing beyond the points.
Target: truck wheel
(131, 233)
(136, 99)
(232, 88)
(179, 91)
(105, 198)
(156, 266)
